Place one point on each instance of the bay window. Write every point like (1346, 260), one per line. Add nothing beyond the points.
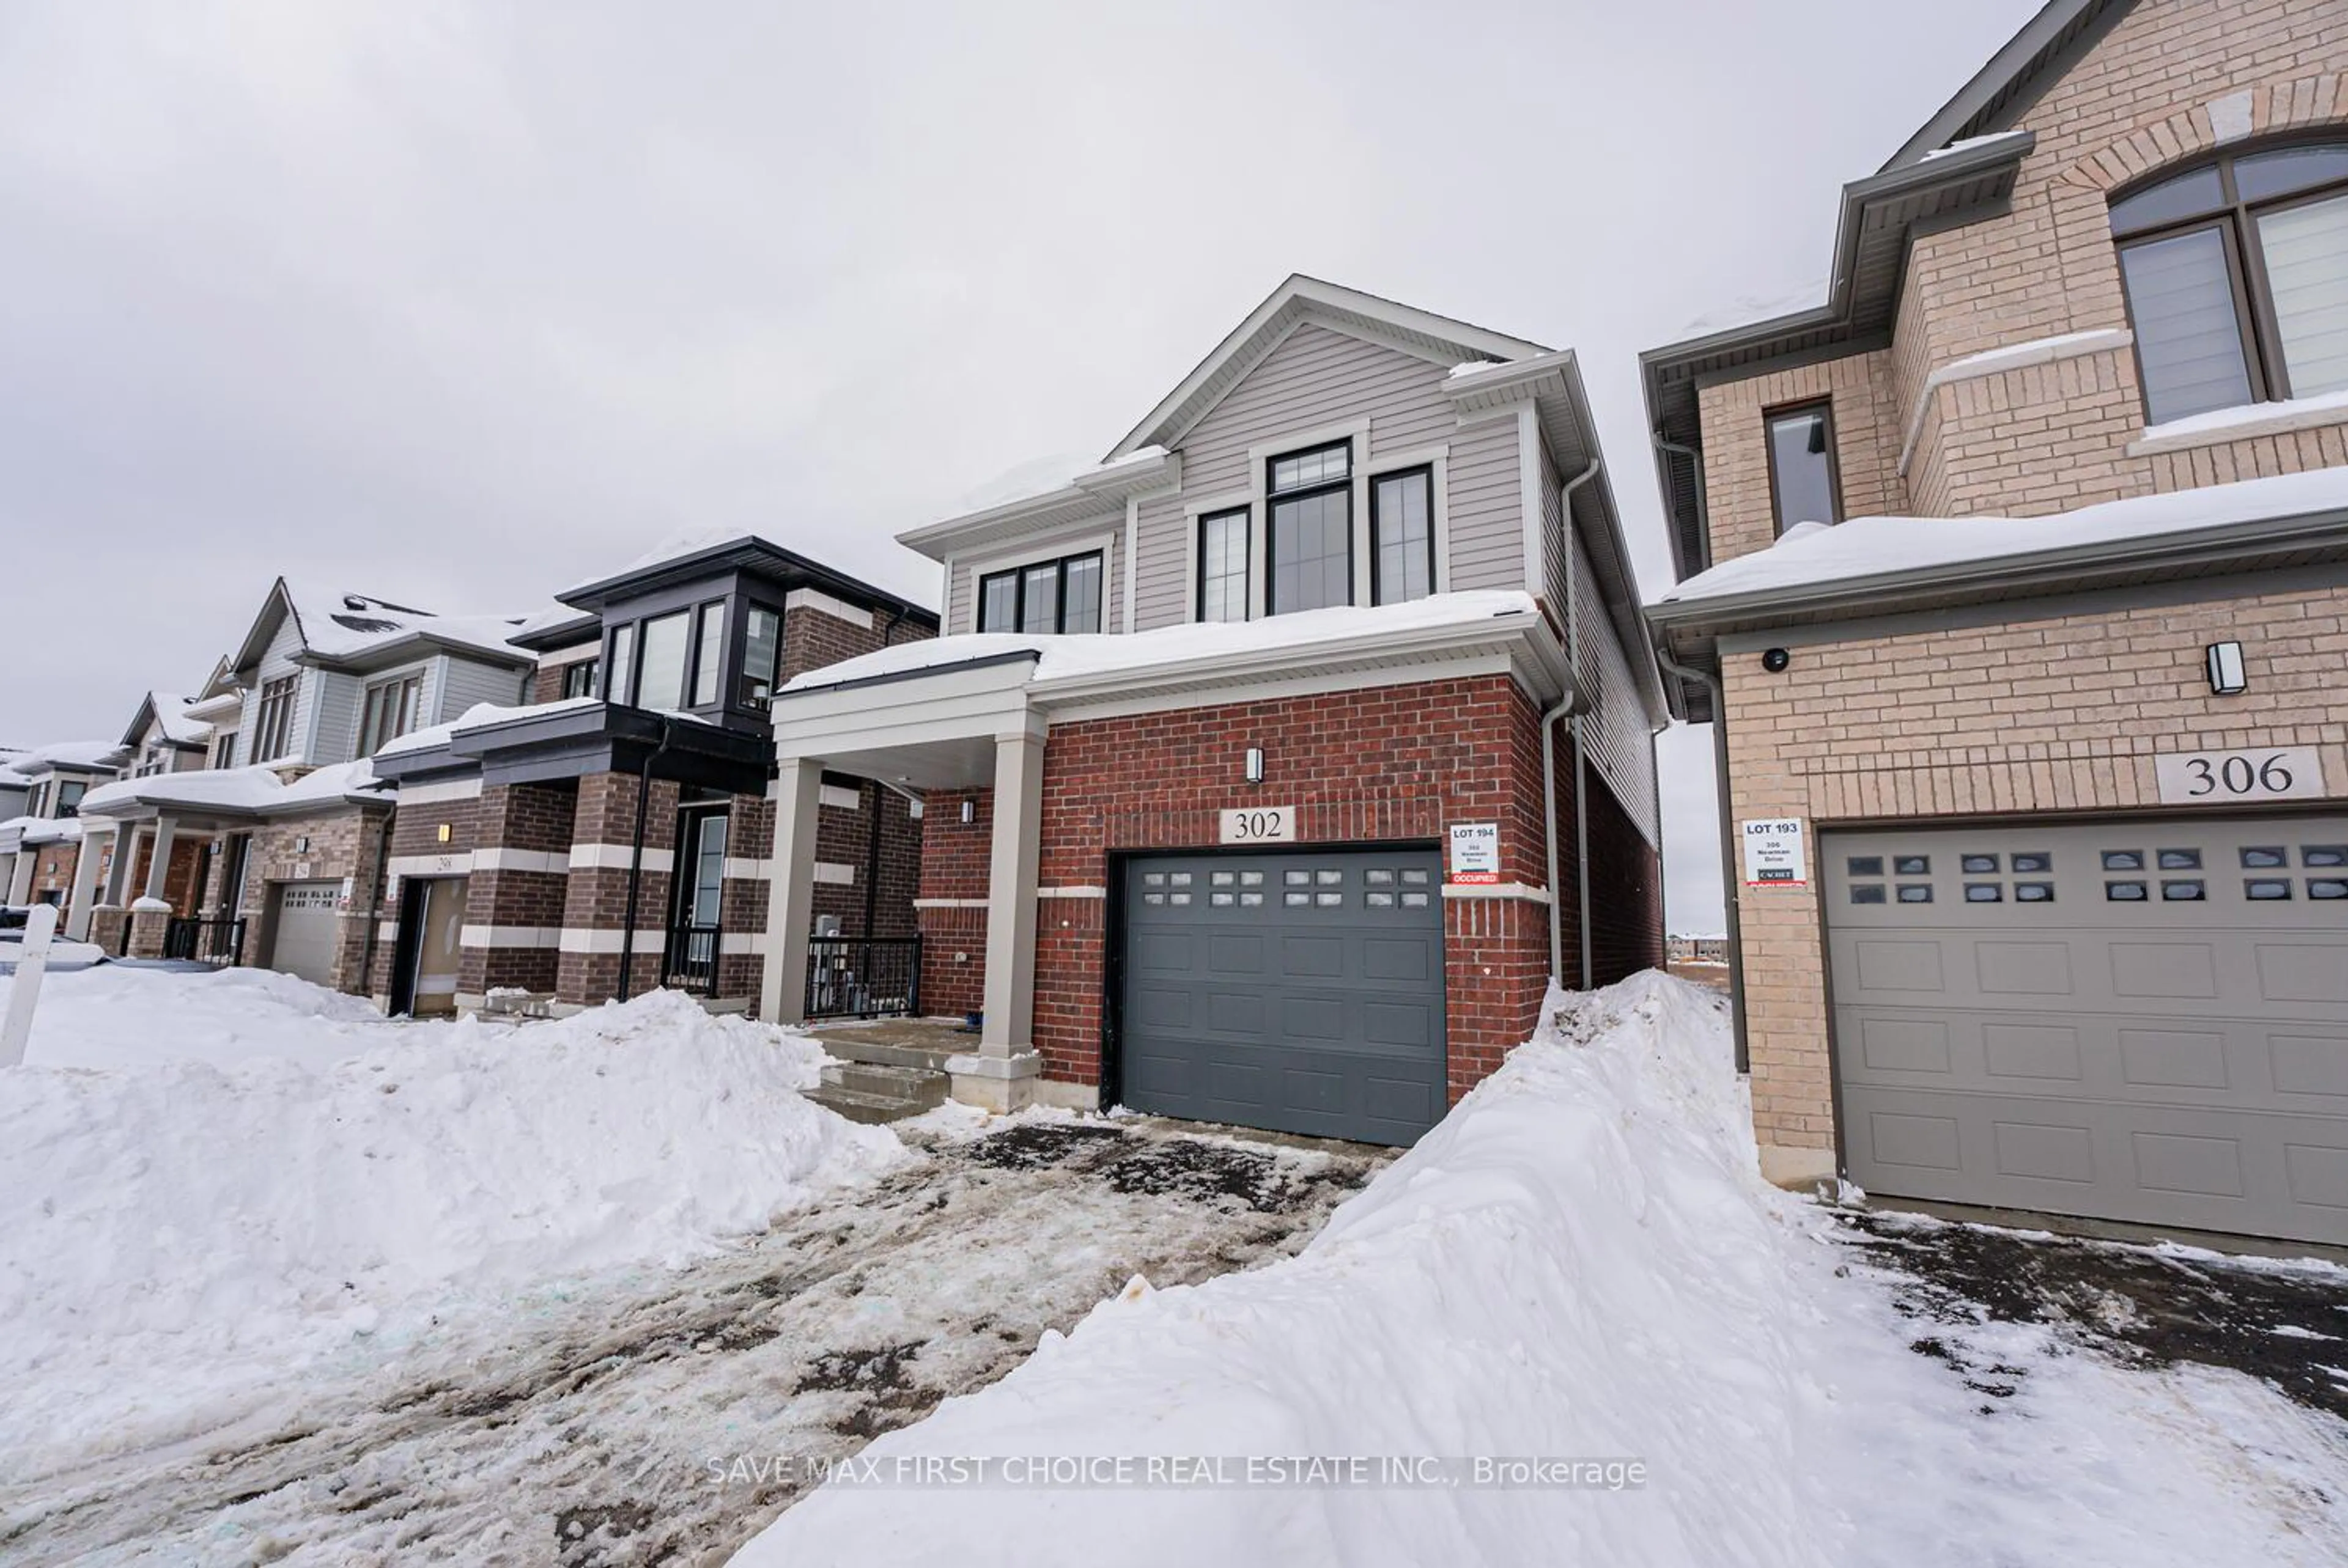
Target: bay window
(2236, 276)
(660, 668)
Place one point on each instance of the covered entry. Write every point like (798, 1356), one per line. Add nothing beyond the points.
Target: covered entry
(2142, 1020)
(1299, 992)
(304, 926)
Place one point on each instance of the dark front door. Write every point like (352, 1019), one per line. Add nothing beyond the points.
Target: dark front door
(698, 901)
(1299, 992)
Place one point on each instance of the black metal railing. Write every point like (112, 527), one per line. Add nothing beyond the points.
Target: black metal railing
(864, 977)
(206, 941)
(689, 962)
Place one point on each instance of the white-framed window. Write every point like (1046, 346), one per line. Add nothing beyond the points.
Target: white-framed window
(390, 710)
(274, 724)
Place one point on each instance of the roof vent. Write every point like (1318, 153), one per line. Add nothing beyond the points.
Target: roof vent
(353, 601)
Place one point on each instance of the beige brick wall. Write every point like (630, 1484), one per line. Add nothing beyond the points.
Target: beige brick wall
(2060, 714)
(2048, 437)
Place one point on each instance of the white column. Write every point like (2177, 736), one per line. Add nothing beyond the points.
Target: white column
(1000, 1076)
(116, 891)
(79, 897)
(20, 883)
(791, 891)
(159, 865)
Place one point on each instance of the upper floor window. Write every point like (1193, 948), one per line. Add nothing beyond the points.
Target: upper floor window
(390, 712)
(1309, 545)
(621, 686)
(1223, 565)
(1804, 484)
(660, 668)
(1055, 595)
(273, 728)
(224, 749)
(669, 663)
(1401, 528)
(708, 653)
(69, 793)
(2237, 279)
(762, 652)
(579, 678)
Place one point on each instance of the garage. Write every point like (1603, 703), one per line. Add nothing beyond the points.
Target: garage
(1296, 993)
(305, 927)
(2142, 1020)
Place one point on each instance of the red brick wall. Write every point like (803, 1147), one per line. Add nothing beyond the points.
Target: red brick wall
(953, 864)
(596, 896)
(813, 638)
(538, 817)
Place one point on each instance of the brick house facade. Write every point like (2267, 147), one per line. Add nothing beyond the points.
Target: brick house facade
(1983, 362)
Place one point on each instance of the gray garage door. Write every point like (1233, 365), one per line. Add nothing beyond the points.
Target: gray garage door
(306, 928)
(2143, 1021)
(1301, 993)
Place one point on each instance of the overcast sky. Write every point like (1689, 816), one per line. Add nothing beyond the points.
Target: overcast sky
(456, 304)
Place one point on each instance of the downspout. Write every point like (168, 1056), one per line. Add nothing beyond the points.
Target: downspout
(1568, 707)
(872, 834)
(1695, 468)
(636, 856)
(1729, 889)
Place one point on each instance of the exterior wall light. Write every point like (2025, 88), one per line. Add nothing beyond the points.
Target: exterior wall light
(969, 811)
(1255, 765)
(2226, 674)
(444, 834)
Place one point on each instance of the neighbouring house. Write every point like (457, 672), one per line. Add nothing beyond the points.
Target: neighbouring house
(2015, 586)
(41, 839)
(288, 817)
(1274, 764)
(611, 835)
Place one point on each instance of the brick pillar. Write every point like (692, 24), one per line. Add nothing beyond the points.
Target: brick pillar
(110, 929)
(520, 883)
(596, 895)
(146, 931)
(1495, 973)
(742, 911)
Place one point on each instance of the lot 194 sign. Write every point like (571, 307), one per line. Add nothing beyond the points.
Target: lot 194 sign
(2230, 778)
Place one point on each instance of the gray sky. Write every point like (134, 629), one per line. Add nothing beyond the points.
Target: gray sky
(457, 304)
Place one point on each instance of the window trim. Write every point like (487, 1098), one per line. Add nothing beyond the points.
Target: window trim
(274, 733)
(1017, 571)
(593, 667)
(1769, 417)
(1344, 486)
(1377, 589)
(2237, 222)
(367, 695)
(1198, 521)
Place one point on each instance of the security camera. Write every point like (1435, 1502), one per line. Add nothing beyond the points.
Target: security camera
(1775, 661)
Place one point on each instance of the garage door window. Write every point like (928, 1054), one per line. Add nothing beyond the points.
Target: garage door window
(2183, 892)
(2267, 889)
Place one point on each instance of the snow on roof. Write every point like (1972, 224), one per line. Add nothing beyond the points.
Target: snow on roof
(67, 754)
(1749, 310)
(480, 715)
(170, 712)
(48, 830)
(1812, 554)
(1075, 657)
(1049, 476)
(352, 625)
(255, 789)
(1968, 143)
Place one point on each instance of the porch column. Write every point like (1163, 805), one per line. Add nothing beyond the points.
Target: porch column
(1000, 1076)
(83, 892)
(159, 864)
(20, 879)
(791, 891)
(116, 891)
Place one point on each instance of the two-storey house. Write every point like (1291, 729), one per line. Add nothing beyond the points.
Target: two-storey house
(289, 814)
(2016, 589)
(1274, 764)
(611, 835)
(40, 840)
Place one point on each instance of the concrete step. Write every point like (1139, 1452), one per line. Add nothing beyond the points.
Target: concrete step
(870, 1109)
(918, 1087)
(845, 1047)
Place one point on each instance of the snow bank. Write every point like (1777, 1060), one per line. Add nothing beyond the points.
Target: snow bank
(174, 1238)
(1581, 1262)
(118, 1015)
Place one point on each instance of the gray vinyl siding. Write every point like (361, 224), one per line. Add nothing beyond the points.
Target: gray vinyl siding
(1616, 742)
(1558, 564)
(1486, 502)
(276, 663)
(335, 699)
(1315, 379)
(961, 593)
(462, 683)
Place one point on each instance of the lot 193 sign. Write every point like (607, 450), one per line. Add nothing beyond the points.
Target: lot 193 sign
(2230, 778)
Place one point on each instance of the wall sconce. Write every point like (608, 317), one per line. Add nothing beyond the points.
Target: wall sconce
(969, 811)
(1255, 765)
(2226, 678)
(444, 833)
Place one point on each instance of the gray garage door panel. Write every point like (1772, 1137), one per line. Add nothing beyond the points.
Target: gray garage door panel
(2098, 1046)
(307, 926)
(1298, 992)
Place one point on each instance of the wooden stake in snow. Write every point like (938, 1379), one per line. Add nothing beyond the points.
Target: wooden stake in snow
(40, 925)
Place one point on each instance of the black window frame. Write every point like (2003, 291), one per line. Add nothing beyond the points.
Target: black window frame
(1246, 515)
(1770, 418)
(70, 805)
(705, 659)
(371, 707)
(2236, 220)
(272, 718)
(1422, 471)
(1274, 497)
(579, 678)
(745, 678)
(1059, 566)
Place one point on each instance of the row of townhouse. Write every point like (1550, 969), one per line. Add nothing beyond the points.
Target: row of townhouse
(1264, 773)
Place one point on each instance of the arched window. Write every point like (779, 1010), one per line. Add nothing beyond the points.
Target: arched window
(2237, 279)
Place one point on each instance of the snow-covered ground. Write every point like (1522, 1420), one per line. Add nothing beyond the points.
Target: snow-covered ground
(1582, 1264)
(262, 1176)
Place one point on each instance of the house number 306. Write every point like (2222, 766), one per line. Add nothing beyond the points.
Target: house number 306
(1260, 824)
(2202, 778)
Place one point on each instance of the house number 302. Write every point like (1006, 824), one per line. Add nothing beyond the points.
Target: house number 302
(2205, 778)
(1260, 824)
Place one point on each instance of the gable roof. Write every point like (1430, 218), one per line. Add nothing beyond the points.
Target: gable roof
(354, 630)
(1299, 300)
(168, 713)
(2001, 91)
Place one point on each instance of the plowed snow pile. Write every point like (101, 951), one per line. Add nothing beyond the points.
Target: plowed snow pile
(175, 1234)
(1581, 1262)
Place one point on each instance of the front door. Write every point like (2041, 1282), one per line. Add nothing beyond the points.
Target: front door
(439, 933)
(700, 887)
